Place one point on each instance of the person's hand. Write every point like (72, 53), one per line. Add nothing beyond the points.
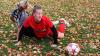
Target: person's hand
(18, 43)
(57, 47)
(60, 35)
(54, 45)
(14, 40)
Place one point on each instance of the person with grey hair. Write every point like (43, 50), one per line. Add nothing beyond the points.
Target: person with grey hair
(19, 14)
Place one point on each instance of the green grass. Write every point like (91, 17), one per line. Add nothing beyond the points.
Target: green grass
(84, 12)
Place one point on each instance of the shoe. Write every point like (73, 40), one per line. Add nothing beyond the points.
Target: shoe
(54, 45)
(14, 40)
(18, 43)
(55, 22)
(62, 20)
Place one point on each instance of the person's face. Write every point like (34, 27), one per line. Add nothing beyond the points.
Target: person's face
(23, 7)
(38, 15)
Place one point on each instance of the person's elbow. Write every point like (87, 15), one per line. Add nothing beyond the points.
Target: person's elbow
(55, 34)
(12, 18)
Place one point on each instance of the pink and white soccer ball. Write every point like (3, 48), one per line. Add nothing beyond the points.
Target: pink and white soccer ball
(73, 49)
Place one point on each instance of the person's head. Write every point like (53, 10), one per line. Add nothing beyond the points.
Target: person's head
(37, 13)
(22, 5)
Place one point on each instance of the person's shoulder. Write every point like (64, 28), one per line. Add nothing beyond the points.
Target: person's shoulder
(29, 18)
(15, 10)
(45, 18)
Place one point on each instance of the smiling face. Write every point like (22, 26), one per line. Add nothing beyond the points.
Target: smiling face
(23, 5)
(38, 15)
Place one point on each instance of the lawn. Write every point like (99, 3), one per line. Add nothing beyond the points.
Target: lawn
(84, 30)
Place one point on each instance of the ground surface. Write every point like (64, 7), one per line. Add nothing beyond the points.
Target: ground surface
(84, 30)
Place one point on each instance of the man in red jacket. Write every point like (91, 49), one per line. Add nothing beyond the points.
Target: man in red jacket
(40, 26)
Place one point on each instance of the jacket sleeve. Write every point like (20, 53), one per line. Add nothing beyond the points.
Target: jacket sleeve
(21, 33)
(26, 31)
(55, 34)
(14, 15)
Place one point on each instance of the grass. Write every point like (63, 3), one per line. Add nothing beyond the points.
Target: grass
(86, 17)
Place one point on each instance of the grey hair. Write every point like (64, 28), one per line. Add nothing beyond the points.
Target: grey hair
(22, 3)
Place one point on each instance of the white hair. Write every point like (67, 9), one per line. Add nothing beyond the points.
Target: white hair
(22, 3)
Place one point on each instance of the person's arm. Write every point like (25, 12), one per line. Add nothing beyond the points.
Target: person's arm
(53, 29)
(21, 33)
(12, 19)
(29, 30)
(55, 35)
(14, 15)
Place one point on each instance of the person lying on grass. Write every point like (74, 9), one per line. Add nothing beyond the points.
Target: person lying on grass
(39, 26)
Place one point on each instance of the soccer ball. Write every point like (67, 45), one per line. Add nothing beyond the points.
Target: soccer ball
(73, 49)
